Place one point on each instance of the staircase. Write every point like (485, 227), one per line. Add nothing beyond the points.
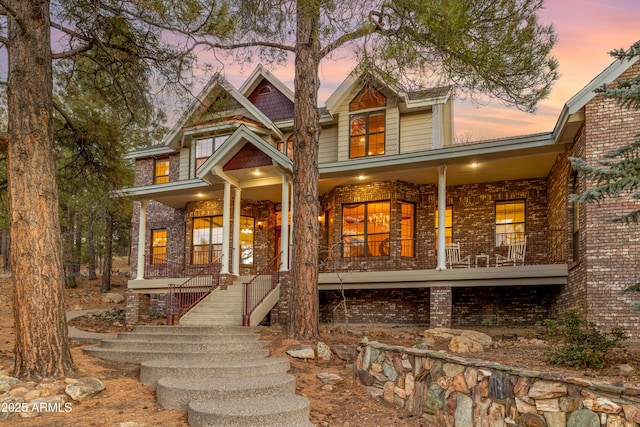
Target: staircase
(220, 375)
(222, 307)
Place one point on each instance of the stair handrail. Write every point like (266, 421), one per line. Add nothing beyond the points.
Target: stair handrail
(184, 296)
(256, 290)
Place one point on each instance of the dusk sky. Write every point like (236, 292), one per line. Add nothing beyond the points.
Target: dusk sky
(586, 29)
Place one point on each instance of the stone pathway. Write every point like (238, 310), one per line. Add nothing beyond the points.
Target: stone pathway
(222, 376)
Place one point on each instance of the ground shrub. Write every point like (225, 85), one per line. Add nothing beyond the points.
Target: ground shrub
(580, 344)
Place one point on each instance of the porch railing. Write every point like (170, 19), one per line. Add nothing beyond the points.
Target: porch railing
(543, 247)
(168, 264)
(185, 296)
(258, 288)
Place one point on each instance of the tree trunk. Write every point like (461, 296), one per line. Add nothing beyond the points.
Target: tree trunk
(5, 251)
(67, 247)
(303, 323)
(41, 344)
(77, 245)
(108, 245)
(91, 246)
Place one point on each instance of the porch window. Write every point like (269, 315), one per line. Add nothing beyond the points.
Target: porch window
(510, 221)
(286, 148)
(366, 129)
(448, 225)
(407, 229)
(160, 171)
(206, 245)
(247, 230)
(159, 246)
(205, 147)
(365, 229)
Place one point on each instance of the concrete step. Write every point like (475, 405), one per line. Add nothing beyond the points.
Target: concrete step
(274, 411)
(185, 346)
(152, 370)
(158, 337)
(209, 330)
(176, 393)
(139, 356)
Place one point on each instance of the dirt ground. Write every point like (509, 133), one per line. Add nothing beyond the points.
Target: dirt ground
(125, 400)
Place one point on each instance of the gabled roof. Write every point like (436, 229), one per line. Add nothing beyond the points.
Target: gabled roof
(174, 136)
(354, 80)
(233, 145)
(257, 76)
(587, 93)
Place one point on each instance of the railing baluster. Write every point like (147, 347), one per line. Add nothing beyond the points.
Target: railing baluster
(257, 289)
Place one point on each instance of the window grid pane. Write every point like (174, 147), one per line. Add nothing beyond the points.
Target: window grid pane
(161, 174)
(407, 230)
(365, 228)
(510, 221)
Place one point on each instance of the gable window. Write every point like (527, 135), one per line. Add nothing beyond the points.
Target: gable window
(407, 229)
(286, 149)
(206, 245)
(205, 147)
(510, 221)
(367, 128)
(365, 229)
(160, 171)
(159, 246)
(448, 225)
(247, 230)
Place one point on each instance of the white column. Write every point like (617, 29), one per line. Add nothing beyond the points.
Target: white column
(235, 265)
(284, 226)
(226, 225)
(442, 212)
(142, 232)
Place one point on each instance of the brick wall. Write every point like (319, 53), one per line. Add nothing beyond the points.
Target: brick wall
(400, 306)
(611, 249)
(503, 305)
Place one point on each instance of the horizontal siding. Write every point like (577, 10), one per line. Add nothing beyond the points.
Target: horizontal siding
(184, 164)
(328, 145)
(415, 132)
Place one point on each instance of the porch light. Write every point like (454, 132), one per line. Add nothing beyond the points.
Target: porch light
(257, 172)
(361, 177)
(260, 225)
(321, 220)
(474, 165)
(200, 195)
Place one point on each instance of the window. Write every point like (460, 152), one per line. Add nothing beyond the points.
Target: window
(287, 149)
(160, 171)
(448, 224)
(576, 219)
(247, 230)
(407, 229)
(366, 129)
(207, 239)
(510, 221)
(206, 147)
(365, 229)
(159, 246)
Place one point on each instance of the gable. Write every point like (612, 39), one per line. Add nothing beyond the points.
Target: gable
(213, 107)
(248, 157)
(271, 101)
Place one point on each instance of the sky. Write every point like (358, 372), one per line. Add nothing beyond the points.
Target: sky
(586, 30)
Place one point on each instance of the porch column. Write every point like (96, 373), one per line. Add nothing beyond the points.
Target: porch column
(235, 265)
(284, 226)
(226, 224)
(142, 232)
(442, 212)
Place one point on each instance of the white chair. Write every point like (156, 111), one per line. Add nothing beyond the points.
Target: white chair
(454, 260)
(515, 255)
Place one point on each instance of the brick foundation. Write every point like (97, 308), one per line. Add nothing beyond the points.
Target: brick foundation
(132, 313)
(440, 307)
(158, 305)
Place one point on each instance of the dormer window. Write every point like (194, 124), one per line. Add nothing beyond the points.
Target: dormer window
(366, 128)
(286, 149)
(205, 147)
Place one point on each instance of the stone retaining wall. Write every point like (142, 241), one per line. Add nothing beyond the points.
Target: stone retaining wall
(449, 390)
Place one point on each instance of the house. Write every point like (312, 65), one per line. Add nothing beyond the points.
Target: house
(216, 194)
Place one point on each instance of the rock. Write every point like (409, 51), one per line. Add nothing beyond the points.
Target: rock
(365, 378)
(471, 377)
(323, 351)
(19, 391)
(329, 378)
(130, 424)
(464, 411)
(344, 352)
(547, 405)
(84, 388)
(524, 407)
(112, 298)
(617, 421)
(555, 419)
(327, 387)
(625, 368)
(7, 383)
(460, 384)
(389, 371)
(376, 367)
(547, 390)
(43, 405)
(374, 391)
(632, 413)
(400, 392)
(464, 344)
(409, 384)
(31, 395)
(452, 369)
(602, 404)
(570, 404)
(532, 420)
(388, 392)
(496, 414)
(583, 418)
(301, 351)
(9, 402)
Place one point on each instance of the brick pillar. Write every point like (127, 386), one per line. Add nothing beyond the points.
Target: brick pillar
(280, 313)
(440, 307)
(132, 313)
(158, 305)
